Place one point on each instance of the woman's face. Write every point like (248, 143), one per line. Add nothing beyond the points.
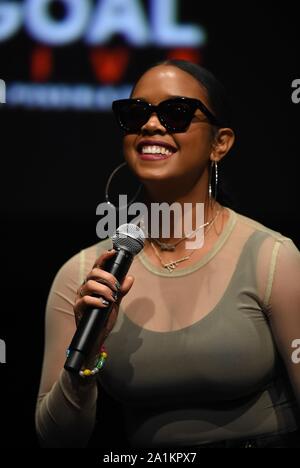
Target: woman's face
(190, 150)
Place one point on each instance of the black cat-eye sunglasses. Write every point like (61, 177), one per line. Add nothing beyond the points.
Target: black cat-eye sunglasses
(175, 114)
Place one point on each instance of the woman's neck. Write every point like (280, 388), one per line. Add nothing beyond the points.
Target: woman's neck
(194, 204)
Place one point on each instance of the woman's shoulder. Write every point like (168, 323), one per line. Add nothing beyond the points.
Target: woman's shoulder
(253, 226)
(78, 265)
(95, 250)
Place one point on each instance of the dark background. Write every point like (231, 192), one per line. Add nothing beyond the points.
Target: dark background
(54, 166)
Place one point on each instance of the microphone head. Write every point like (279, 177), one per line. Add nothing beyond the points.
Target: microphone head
(130, 237)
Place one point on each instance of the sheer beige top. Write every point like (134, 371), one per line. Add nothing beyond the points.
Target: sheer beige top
(198, 355)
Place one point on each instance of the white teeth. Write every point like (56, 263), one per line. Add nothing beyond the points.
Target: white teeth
(156, 150)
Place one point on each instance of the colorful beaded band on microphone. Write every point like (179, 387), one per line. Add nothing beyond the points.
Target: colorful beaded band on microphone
(98, 366)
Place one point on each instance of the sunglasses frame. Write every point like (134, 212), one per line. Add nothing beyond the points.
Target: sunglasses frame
(151, 108)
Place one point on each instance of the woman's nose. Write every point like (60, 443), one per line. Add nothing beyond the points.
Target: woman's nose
(153, 124)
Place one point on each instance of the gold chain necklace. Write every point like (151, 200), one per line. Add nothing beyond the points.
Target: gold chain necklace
(170, 266)
(171, 246)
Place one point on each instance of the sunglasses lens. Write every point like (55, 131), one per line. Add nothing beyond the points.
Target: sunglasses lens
(177, 115)
(132, 115)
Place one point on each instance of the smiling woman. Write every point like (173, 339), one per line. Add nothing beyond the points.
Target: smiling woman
(186, 122)
(199, 350)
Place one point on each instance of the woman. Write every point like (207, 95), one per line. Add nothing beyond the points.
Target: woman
(200, 350)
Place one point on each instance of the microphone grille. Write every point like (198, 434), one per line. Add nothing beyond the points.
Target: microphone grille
(129, 236)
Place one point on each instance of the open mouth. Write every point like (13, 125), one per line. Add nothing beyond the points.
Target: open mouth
(154, 151)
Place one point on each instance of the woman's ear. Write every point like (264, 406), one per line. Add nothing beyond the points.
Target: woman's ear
(222, 143)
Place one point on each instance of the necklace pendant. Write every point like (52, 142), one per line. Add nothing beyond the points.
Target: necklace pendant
(170, 266)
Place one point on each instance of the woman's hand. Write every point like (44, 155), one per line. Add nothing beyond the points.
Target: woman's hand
(98, 290)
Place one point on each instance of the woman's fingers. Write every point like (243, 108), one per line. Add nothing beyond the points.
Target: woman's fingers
(97, 288)
(125, 287)
(103, 257)
(101, 288)
(100, 275)
(88, 302)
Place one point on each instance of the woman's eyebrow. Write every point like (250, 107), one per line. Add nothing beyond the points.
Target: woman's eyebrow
(177, 95)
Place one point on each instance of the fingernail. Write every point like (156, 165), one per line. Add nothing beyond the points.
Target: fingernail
(117, 284)
(115, 296)
(105, 302)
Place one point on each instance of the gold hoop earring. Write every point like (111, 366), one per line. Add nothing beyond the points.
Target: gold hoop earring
(108, 184)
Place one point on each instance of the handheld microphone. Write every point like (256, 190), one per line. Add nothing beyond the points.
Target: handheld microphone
(128, 240)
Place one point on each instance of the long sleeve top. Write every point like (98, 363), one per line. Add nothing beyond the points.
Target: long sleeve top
(205, 353)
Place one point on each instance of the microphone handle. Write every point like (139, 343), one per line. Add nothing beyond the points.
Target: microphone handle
(94, 320)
